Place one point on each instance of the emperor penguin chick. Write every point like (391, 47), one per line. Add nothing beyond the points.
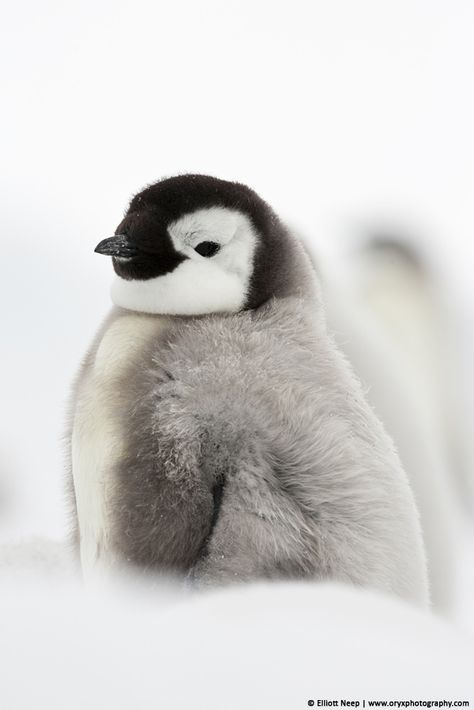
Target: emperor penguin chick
(218, 434)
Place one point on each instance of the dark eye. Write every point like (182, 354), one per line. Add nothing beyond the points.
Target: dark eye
(207, 248)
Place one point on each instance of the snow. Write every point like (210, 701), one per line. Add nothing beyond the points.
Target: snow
(261, 646)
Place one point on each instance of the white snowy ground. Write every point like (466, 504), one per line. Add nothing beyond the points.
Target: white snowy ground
(350, 118)
(259, 647)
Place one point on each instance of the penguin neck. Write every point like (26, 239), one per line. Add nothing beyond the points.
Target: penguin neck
(123, 337)
(282, 270)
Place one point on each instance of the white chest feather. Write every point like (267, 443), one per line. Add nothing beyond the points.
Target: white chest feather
(97, 438)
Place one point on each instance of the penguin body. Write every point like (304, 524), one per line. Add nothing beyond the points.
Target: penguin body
(217, 431)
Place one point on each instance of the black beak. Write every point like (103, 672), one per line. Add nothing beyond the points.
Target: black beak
(119, 245)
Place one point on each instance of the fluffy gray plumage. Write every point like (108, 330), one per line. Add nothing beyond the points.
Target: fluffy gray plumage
(246, 450)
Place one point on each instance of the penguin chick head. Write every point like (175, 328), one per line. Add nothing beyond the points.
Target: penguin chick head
(193, 245)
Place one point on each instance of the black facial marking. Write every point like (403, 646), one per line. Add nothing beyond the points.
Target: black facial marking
(207, 248)
(153, 251)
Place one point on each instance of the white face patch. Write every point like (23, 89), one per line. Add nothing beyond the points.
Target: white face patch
(199, 284)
